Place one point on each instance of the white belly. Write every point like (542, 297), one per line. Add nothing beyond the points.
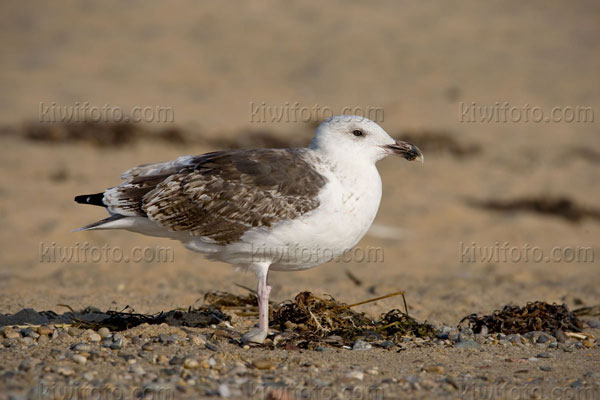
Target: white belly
(342, 219)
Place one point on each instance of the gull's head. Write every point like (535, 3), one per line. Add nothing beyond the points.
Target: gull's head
(358, 138)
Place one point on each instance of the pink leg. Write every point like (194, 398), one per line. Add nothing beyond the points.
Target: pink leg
(263, 291)
(263, 303)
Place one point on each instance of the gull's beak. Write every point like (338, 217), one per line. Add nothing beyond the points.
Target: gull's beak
(406, 150)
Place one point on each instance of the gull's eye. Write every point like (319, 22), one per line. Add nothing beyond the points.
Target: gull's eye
(358, 132)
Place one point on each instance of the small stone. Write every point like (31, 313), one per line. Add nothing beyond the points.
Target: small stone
(546, 368)
(165, 339)
(29, 332)
(561, 337)
(43, 339)
(224, 391)
(197, 340)
(85, 347)
(263, 363)
(137, 369)
(593, 324)
(190, 363)
(354, 374)
(466, 344)
(79, 359)
(176, 361)
(65, 371)
(545, 355)
(10, 334)
(588, 343)
(211, 346)
(444, 332)
(104, 332)
(117, 344)
(577, 384)
(361, 345)
(387, 344)
(45, 330)
(72, 331)
(93, 337)
(147, 346)
(434, 369)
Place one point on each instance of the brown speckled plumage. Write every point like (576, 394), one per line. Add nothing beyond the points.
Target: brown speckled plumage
(219, 196)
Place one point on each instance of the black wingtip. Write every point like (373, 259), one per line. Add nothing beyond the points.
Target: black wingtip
(92, 199)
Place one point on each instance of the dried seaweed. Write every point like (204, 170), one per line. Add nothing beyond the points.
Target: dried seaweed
(311, 313)
(561, 207)
(536, 316)
(313, 319)
(193, 317)
(396, 324)
(102, 134)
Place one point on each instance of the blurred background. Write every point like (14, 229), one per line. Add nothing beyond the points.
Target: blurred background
(459, 79)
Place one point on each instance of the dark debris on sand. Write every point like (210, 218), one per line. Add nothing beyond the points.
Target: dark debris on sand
(560, 207)
(536, 316)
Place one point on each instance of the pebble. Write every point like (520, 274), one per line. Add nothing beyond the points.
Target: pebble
(593, 324)
(577, 384)
(43, 339)
(263, 363)
(117, 344)
(104, 332)
(176, 360)
(588, 343)
(137, 369)
(545, 355)
(93, 337)
(561, 337)
(147, 346)
(72, 331)
(10, 334)
(197, 340)
(81, 347)
(224, 391)
(29, 332)
(546, 368)
(79, 359)
(65, 371)
(361, 345)
(190, 363)
(354, 374)
(45, 330)
(434, 369)
(466, 344)
(211, 346)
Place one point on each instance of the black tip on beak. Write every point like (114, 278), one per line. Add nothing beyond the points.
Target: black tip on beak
(406, 150)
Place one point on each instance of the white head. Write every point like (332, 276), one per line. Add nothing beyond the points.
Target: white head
(359, 139)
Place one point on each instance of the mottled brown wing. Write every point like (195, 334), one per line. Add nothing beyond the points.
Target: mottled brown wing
(221, 195)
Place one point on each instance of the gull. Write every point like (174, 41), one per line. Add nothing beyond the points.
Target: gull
(261, 209)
